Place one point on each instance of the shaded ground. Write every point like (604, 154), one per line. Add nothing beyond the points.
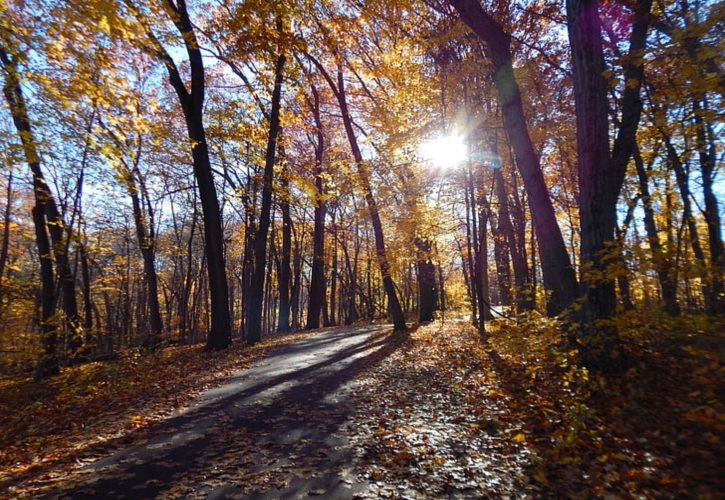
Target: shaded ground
(269, 431)
(435, 412)
(50, 428)
(431, 422)
(344, 413)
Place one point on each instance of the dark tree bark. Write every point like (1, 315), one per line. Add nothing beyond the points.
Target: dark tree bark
(427, 296)
(505, 247)
(145, 234)
(87, 299)
(333, 316)
(623, 276)
(147, 244)
(427, 286)
(559, 277)
(600, 174)
(192, 104)
(49, 227)
(707, 153)
(5, 245)
(283, 323)
(256, 290)
(317, 281)
(662, 261)
(709, 289)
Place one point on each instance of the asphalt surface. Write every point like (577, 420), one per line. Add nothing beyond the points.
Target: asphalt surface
(275, 430)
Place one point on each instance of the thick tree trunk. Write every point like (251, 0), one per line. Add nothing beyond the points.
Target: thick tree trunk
(601, 175)
(559, 277)
(597, 201)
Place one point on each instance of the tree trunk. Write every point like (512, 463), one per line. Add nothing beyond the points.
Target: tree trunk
(427, 287)
(503, 234)
(396, 312)
(662, 261)
(559, 277)
(708, 162)
(317, 280)
(284, 264)
(192, 103)
(256, 291)
(47, 221)
(5, 245)
(601, 175)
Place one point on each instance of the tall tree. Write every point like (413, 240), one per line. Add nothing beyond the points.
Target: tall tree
(192, 104)
(317, 280)
(338, 89)
(601, 173)
(559, 276)
(256, 290)
(48, 222)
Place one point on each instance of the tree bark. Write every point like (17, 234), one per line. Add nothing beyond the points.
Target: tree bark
(600, 174)
(662, 261)
(285, 258)
(48, 224)
(192, 103)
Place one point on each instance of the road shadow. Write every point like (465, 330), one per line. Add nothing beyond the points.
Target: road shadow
(276, 435)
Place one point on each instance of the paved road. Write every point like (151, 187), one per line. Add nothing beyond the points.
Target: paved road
(276, 430)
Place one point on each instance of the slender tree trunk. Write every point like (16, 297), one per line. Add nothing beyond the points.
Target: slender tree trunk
(317, 281)
(396, 312)
(284, 264)
(427, 287)
(192, 103)
(708, 162)
(333, 278)
(623, 276)
(662, 261)
(502, 249)
(681, 175)
(47, 221)
(5, 245)
(256, 291)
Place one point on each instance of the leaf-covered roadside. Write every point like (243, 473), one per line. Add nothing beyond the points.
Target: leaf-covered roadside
(655, 430)
(433, 422)
(53, 426)
(452, 415)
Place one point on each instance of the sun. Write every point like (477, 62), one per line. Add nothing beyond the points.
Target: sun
(445, 151)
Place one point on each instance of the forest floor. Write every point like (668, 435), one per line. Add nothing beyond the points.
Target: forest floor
(359, 412)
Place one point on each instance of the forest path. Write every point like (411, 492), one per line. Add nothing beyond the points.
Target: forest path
(275, 430)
